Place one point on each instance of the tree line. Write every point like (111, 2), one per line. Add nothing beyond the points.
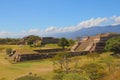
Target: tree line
(9, 41)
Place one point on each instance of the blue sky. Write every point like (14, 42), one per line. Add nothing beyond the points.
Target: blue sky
(25, 17)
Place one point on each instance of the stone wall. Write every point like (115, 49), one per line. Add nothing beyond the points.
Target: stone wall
(25, 57)
(51, 50)
(50, 40)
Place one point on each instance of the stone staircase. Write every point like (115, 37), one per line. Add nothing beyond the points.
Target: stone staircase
(83, 46)
(88, 48)
(77, 44)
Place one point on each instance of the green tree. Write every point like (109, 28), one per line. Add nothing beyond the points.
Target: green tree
(113, 45)
(32, 39)
(71, 42)
(38, 44)
(9, 41)
(63, 42)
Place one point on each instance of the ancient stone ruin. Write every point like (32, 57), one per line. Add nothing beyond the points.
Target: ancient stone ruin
(44, 40)
(84, 46)
(93, 43)
(24, 57)
(41, 54)
(49, 40)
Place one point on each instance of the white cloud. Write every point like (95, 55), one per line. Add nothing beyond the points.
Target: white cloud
(116, 20)
(51, 29)
(93, 22)
(84, 24)
(30, 32)
(2, 33)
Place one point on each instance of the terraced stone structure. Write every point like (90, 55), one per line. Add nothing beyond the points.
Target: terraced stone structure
(93, 43)
(41, 54)
(24, 57)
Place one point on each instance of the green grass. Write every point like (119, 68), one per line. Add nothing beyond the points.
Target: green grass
(26, 48)
(49, 46)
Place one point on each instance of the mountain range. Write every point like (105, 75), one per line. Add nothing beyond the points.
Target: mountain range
(89, 31)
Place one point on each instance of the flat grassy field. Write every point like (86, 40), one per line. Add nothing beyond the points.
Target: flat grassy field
(26, 48)
(11, 71)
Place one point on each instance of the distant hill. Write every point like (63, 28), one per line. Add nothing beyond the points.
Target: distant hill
(89, 31)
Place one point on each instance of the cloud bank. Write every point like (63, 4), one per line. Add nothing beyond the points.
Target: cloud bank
(93, 22)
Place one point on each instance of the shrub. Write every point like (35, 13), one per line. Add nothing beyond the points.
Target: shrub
(30, 77)
(75, 76)
(94, 71)
(61, 61)
(93, 55)
(2, 48)
(113, 45)
(8, 51)
(70, 76)
(58, 76)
